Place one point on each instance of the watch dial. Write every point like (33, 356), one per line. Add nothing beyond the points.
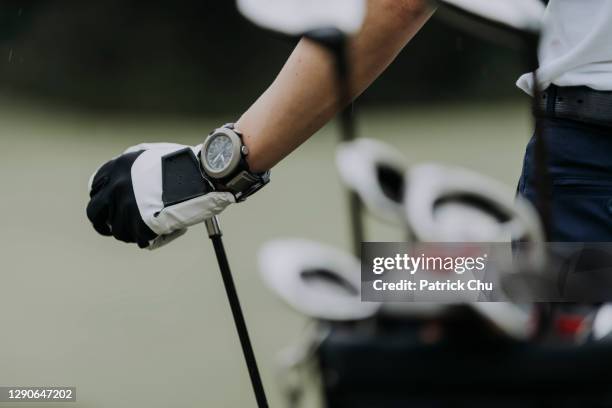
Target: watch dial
(219, 153)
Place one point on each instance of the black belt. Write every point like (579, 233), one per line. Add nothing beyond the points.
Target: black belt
(578, 103)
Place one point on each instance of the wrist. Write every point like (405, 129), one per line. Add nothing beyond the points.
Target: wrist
(254, 159)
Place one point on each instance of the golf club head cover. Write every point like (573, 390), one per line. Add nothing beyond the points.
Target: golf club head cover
(151, 194)
(297, 17)
(453, 204)
(316, 280)
(375, 171)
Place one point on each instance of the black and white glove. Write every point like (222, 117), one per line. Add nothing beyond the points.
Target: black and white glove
(151, 194)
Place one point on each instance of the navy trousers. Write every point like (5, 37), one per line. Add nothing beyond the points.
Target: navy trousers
(580, 168)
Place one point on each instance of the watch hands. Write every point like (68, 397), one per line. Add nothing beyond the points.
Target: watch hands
(217, 158)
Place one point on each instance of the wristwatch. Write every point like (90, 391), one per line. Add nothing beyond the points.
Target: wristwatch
(223, 157)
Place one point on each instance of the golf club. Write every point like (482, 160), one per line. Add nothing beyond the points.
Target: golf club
(456, 205)
(329, 23)
(446, 203)
(375, 171)
(215, 234)
(452, 204)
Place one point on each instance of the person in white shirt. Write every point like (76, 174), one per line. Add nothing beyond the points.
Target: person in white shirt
(575, 116)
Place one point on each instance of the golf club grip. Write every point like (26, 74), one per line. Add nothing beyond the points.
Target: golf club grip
(243, 334)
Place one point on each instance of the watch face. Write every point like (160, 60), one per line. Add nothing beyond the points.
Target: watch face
(219, 153)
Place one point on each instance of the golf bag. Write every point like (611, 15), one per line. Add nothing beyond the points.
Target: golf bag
(456, 361)
(429, 355)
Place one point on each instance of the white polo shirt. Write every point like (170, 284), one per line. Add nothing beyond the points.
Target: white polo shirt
(576, 46)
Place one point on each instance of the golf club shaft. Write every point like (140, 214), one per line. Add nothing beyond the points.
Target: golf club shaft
(355, 206)
(347, 134)
(214, 232)
(336, 43)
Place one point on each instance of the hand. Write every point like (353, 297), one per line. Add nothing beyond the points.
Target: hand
(151, 194)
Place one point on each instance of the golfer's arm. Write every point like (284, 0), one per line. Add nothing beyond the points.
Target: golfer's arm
(304, 96)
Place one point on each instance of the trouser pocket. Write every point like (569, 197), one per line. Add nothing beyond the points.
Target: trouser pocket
(581, 209)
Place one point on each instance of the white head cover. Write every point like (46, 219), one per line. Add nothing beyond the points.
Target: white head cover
(296, 17)
(524, 15)
(359, 164)
(316, 280)
(452, 204)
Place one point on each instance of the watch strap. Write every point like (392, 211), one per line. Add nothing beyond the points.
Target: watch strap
(245, 184)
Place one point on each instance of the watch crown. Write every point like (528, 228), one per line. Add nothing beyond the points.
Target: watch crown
(244, 150)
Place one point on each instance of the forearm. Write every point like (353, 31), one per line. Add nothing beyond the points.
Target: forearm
(304, 96)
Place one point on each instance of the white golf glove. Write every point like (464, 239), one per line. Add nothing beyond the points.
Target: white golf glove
(151, 194)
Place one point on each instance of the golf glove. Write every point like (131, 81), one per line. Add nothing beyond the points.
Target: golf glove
(151, 194)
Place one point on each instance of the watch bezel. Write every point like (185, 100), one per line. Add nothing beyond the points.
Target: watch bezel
(236, 153)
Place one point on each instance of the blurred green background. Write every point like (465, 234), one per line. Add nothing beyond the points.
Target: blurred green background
(80, 81)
